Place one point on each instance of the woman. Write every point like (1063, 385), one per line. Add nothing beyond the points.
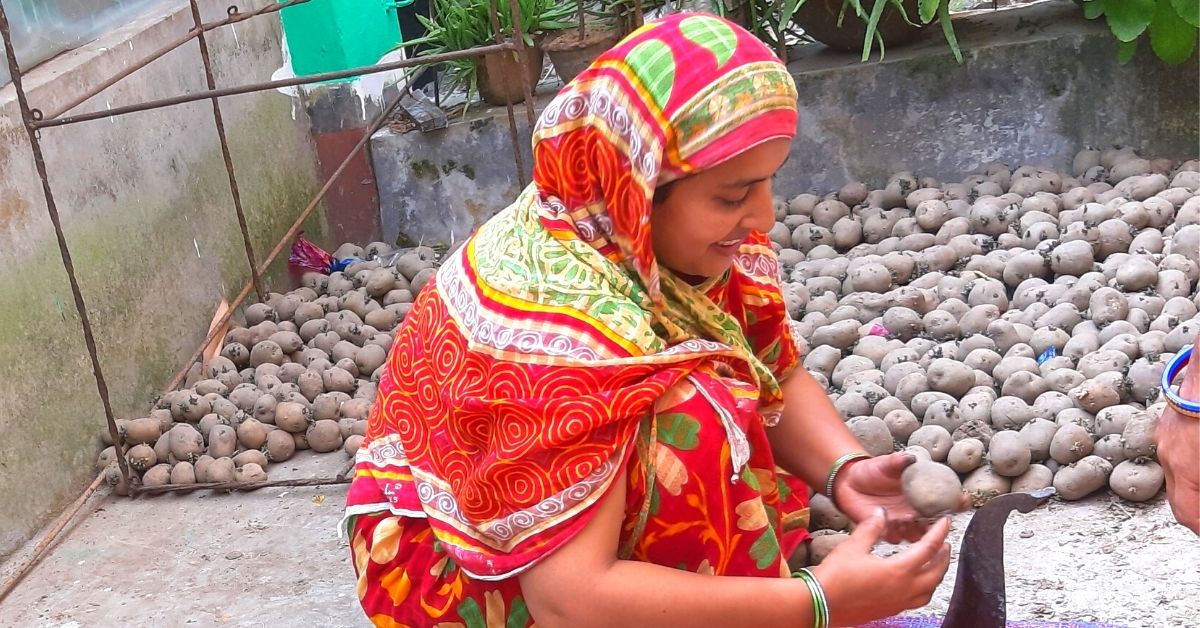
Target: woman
(583, 417)
(1178, 438)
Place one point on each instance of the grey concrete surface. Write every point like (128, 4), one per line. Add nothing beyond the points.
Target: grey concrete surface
(271, 557)
(146, 211)
(1037, 84)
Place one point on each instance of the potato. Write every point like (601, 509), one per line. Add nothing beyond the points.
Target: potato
(279, 446)
(1082, 478)
(934, 439)
(1093, 395)
(222, 441)
(932, 489)
(965, 455)
(351, 444)
(186, 443)
(1071, 443)
(870, 431)
(1010, 413)
(157, 475)
(250, 456)
(250, 472)
(1136, 481)
(822, 545)
(951, 377)
(183, 473)
(141, 431)
(293, 417)
(324, 436)
(1038, 434)
(1111, 448)
(983, 484)
(1008, 454)
(1138, 436)
(1025, 386)
(1037, 477)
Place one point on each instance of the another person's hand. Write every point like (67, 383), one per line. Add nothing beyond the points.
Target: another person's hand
(1178, 439)
(861, 587)
(866, 485)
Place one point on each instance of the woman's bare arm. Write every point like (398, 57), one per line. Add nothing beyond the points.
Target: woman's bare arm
(812, 434)
(584, 584)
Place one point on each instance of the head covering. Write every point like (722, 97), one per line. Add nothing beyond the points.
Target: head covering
(518, 382)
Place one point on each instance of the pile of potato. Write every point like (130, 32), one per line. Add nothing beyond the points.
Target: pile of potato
(1012, 327)
(300, 374)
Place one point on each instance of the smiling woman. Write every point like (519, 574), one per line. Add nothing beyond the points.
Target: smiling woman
(595, 414)
(704, 220)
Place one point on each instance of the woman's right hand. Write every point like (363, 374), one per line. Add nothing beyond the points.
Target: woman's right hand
(861, 587)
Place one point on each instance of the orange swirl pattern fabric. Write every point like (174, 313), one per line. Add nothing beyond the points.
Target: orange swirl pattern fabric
(519, 385)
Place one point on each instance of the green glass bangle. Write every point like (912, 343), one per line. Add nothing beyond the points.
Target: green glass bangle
(819, 602)
(837, 468)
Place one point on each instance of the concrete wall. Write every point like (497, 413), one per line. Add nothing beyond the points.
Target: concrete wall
(1037, 84)
(147, 214)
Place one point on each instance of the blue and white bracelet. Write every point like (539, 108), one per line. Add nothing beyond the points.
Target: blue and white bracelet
(1178, 403)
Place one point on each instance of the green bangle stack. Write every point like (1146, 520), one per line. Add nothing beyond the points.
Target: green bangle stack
(819, 603)
(837, 467)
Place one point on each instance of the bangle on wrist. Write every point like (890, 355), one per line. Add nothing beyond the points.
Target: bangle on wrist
(837, 467)
(819, 603)
(1174, 400)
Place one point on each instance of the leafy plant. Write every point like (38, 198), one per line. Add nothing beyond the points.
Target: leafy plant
(1171, 25)
(465, 24)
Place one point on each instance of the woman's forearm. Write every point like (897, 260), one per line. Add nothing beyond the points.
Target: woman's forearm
(811, 435)
(632, 593)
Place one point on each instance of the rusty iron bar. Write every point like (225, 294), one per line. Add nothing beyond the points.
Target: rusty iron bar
(376, 124)
(39, 162)
(514, 136)
(158, 54)
(519, 40)
(39, 550)
(259, 87)
(234, 486)
(219, 121)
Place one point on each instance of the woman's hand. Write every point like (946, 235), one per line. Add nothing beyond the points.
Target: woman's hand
(1178, 439)
(861, 587)
(864, 486)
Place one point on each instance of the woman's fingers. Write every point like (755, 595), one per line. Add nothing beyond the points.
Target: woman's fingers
(925, 549)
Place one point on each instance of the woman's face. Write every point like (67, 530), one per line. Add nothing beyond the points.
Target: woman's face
(704, 219)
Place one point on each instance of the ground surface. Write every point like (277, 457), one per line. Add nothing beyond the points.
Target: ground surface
(272, 558)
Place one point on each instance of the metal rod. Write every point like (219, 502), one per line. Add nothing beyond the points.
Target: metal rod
(219, 121)
(494, 15)
(519, 39)
(40, 550)
(39, 162)
(379, 121)
(157, 54)
(267, 85)
(235, 486)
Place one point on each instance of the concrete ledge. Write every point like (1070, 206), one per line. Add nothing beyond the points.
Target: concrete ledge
(1037, 83)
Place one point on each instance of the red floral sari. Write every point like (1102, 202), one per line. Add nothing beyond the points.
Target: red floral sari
(551, 352)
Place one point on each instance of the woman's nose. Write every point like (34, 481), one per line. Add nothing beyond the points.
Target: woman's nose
(760, 212)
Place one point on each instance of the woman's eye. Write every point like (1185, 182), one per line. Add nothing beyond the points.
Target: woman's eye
(734, 203)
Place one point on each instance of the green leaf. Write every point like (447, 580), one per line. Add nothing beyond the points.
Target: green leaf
(789, 11)
(872, 28)
(948, 32)
(1189, 10)
(1092, 9)
(679, 430)
(471, 614)
(765, 550)
(1172, 39)
(518, 615)
(1125, 50)
(928, 9)
(1128, 18)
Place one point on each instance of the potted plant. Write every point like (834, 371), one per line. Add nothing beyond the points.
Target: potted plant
(572, 50)
(851, 24)
(1170, 25)
(465, 24)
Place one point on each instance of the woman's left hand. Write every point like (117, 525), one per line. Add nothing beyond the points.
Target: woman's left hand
(866, 485)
